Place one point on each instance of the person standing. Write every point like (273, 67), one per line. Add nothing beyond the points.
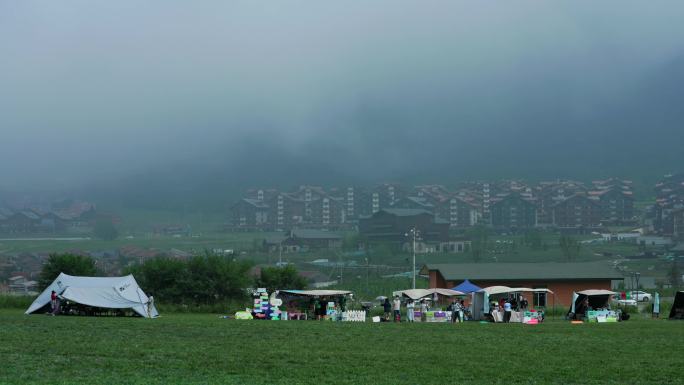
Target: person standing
(410, 306)
(507, 311)
(423, 310)
(387, 308)
(397, 309)
(455, 316)
(53, 302)
(317, 308)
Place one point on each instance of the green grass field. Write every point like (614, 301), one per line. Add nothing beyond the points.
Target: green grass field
(201, 349)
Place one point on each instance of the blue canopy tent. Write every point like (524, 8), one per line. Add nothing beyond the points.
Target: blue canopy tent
(467, 287)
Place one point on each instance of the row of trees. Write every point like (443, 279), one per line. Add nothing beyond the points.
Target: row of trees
(201, 280)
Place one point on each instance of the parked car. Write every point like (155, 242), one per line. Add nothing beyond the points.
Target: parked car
(627, 302)
(641, 296)
(624, 302)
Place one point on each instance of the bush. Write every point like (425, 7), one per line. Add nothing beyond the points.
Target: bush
(68, 264)
(202, 280)
(15, 301)
(274, 278)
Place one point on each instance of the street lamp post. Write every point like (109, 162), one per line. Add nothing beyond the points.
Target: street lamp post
(367, 268)
(414, 233)
(280, 254)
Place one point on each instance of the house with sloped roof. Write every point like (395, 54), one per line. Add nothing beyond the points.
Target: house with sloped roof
(512, 211)
(249, 214)
(394, 226)
(577, 213)
(24, 221)
(617, 206)
(302, 240)
(561, 278)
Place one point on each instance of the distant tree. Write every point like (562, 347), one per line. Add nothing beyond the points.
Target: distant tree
(479, 236)
(570, 247)
(203, 279)
(68, 264)
(161, 277)
(274, 278)
(674, 276)
(104, 229)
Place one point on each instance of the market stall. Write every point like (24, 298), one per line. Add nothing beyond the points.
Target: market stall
(592, 305)
(317, 304)
(483, 310)
(433, 296)
(467, 287)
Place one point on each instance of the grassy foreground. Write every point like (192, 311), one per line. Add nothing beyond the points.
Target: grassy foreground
(198, 349)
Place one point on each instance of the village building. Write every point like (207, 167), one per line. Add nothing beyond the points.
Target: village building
(285, 211)
(20, 285)
(577, 214)
(395, 225)
(250, 214)
(512, 212)
(302, 240)
(617, 206)
(550, 193)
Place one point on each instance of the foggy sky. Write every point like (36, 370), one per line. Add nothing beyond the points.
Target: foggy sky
(97, 92)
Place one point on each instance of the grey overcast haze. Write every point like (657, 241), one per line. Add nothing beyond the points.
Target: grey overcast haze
(180, 96)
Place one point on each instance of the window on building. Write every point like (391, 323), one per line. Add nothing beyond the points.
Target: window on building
(539, 299)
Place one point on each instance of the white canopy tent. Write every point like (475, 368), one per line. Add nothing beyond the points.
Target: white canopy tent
(103, 292)
(596, 298)
(480, 299)
(316, 293)
(422, 293)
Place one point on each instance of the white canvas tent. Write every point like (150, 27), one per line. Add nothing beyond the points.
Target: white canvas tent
(480, 299)
(597, 298)
(416, 294)
(104, 292)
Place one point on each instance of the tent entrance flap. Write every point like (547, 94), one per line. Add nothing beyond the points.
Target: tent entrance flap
(677, 311)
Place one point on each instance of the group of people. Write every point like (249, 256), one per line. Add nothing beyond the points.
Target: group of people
(392, 310)
(507, 305)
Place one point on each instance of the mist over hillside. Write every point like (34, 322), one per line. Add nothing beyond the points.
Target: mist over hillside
(176, 105)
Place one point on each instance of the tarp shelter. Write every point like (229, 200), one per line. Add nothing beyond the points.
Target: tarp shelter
(677, 311)
(316, 293)
(467, 287)
(102, 292)
(423, 293)
(597, 299)
(480, 299)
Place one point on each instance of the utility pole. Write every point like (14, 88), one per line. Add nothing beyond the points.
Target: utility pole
(414, 233)
(280, 254)
(367, 268)
(414, 258)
